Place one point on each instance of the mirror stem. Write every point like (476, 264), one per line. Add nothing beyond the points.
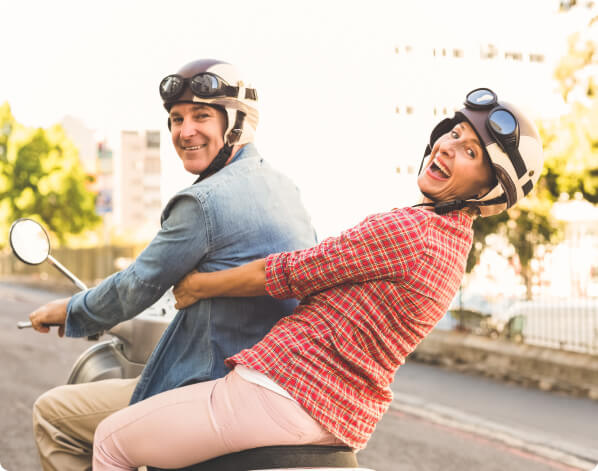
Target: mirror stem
(78, 283)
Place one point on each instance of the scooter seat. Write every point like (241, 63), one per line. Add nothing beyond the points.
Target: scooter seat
(273, 457)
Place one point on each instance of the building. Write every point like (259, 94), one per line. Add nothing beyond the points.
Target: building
(84, 141)
(138, 188)
(105, 182)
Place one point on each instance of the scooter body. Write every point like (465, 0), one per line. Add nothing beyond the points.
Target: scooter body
(127, 350)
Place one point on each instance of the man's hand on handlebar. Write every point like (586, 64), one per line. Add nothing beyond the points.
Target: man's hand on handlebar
(53, 313)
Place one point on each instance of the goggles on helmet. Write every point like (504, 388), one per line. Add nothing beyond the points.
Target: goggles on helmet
(203, 85)
(500, 123)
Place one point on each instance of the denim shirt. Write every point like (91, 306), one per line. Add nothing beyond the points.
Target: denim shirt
(245, 211)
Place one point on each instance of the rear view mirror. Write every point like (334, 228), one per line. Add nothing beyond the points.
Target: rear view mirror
(29, 241)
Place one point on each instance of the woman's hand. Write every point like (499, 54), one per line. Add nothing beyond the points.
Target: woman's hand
(189, 290)
(53, 313)
(246, 280)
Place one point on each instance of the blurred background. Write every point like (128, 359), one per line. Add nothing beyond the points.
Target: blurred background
(348, 95)
(348, 92)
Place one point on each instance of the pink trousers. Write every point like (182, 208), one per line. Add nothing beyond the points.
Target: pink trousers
(198, 422)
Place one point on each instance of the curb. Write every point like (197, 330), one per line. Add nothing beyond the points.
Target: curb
(562, 452)
(540, 367)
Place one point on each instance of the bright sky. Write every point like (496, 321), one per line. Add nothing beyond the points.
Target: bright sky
(324, 71)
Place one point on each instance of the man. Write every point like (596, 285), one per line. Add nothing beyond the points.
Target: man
(238, 210)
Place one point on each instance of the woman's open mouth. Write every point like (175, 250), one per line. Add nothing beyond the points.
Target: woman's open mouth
(438, 170)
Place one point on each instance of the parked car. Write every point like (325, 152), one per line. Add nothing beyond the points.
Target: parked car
(477, 314)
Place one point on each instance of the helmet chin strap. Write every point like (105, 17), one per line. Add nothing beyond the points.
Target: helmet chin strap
(224, 154)
(443, 207)
(217, 164)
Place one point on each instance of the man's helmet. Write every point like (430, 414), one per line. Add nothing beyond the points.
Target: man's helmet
(218, 84)
(511, 142)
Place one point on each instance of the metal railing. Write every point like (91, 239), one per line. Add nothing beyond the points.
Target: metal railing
(566, 324)
(561, 323)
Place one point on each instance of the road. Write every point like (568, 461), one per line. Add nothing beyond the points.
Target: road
(461, 422)
(440, 420)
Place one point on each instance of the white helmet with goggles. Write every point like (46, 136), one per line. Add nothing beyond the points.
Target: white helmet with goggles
(219, 84)
(511, 142)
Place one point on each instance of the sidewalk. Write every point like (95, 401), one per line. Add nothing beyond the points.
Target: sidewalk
(543, 368)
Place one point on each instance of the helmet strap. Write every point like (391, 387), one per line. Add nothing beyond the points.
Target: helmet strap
(443, 207)
(224, 154)
(217, 164)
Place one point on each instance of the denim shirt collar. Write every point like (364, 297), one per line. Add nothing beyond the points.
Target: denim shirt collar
(247, 151)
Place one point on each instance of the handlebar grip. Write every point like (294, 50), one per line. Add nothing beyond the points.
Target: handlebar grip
(27, 324)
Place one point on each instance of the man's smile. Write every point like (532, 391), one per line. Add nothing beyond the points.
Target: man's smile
(192, 148)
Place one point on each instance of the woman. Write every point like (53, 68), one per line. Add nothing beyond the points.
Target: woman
(322, 375)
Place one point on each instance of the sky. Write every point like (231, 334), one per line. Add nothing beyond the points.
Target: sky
(324, 71)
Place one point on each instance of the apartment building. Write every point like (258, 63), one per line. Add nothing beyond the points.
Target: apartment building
(138, 196)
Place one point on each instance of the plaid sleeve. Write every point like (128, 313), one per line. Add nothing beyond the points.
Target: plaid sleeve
(383, 246)
(276, 282)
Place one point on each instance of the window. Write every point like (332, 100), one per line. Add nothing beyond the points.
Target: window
(407, 49)
(408, 109)
(152, 138)
(152, 166)
(516, 56)
(489, 51)
(409, 170)
(536, 57)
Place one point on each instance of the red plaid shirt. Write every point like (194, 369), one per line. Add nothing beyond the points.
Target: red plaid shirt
(369, 297)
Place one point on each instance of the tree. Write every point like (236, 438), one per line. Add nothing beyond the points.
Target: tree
(571, 159)
(571, 142)
(525, 227)
(41, 177)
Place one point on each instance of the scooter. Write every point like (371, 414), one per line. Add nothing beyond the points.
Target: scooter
(130, 344)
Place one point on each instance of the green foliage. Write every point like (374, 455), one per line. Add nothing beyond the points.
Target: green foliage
(571, 148)
(525, 227)
(582, 51)
(571, 160)
(6, 126)
(571, 142)
(41, 177)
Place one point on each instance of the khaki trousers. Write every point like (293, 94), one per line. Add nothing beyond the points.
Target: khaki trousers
(65, 419)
